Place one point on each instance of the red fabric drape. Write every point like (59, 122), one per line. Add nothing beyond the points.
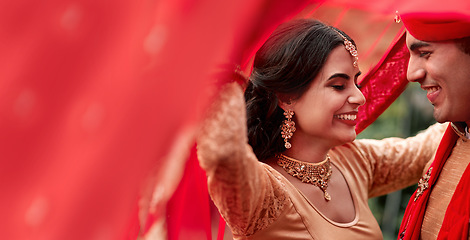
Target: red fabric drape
(77, 112)
(188, 213)
(384, 83)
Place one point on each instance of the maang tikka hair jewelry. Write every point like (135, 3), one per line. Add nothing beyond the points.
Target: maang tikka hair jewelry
(350, 47)
(288, 128)
(317, 174)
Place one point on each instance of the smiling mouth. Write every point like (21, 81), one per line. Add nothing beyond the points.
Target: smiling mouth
(431, 90)
(350, 117)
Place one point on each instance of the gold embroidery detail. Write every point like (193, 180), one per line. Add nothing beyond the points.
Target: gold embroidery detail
(423, 184)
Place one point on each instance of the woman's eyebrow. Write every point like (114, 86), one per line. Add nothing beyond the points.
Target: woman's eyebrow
(343, 75)
(340, 75)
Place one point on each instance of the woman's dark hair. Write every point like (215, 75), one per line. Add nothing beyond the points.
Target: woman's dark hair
(284, 68)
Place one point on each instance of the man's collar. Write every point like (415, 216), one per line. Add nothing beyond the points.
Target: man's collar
(461, 129)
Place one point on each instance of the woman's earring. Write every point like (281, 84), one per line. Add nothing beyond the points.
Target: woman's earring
(288, 128)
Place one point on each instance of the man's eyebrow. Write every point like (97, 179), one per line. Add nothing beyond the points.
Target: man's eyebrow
(417, 45)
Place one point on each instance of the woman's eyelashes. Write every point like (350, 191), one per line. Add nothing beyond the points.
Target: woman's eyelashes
(341, 81)
(338, 86)
(343, 86)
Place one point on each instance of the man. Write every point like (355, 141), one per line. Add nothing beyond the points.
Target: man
(439, 46)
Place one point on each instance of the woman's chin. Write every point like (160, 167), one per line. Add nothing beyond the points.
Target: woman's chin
(349, 137)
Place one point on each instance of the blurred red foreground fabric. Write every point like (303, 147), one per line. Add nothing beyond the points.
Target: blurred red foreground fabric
(93, 94)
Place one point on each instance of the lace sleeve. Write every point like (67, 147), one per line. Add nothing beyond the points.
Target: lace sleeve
(247, 196)
(395, 163)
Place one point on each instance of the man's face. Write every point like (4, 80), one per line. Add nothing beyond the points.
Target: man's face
(443, 71)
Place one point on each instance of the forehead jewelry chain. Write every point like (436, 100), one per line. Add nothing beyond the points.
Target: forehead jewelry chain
(350, 47)
(317, 174)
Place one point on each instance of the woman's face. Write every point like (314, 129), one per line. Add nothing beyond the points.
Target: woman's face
(326, 113)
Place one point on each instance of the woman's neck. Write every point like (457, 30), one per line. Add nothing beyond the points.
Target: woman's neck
(311, 154)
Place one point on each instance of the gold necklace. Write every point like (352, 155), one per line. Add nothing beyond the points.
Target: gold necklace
(317, 174)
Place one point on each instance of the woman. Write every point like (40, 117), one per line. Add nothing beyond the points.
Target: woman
(298, 173)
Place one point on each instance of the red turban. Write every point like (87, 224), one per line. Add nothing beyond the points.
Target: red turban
(437, 20)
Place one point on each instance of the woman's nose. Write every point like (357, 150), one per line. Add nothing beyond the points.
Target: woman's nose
(357, 97)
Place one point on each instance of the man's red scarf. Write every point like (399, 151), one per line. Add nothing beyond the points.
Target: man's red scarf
(456, 220)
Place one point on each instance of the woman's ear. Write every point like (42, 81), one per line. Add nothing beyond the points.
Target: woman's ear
(285, 105)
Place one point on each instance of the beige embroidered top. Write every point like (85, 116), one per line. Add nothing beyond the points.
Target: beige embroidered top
(260, 203)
